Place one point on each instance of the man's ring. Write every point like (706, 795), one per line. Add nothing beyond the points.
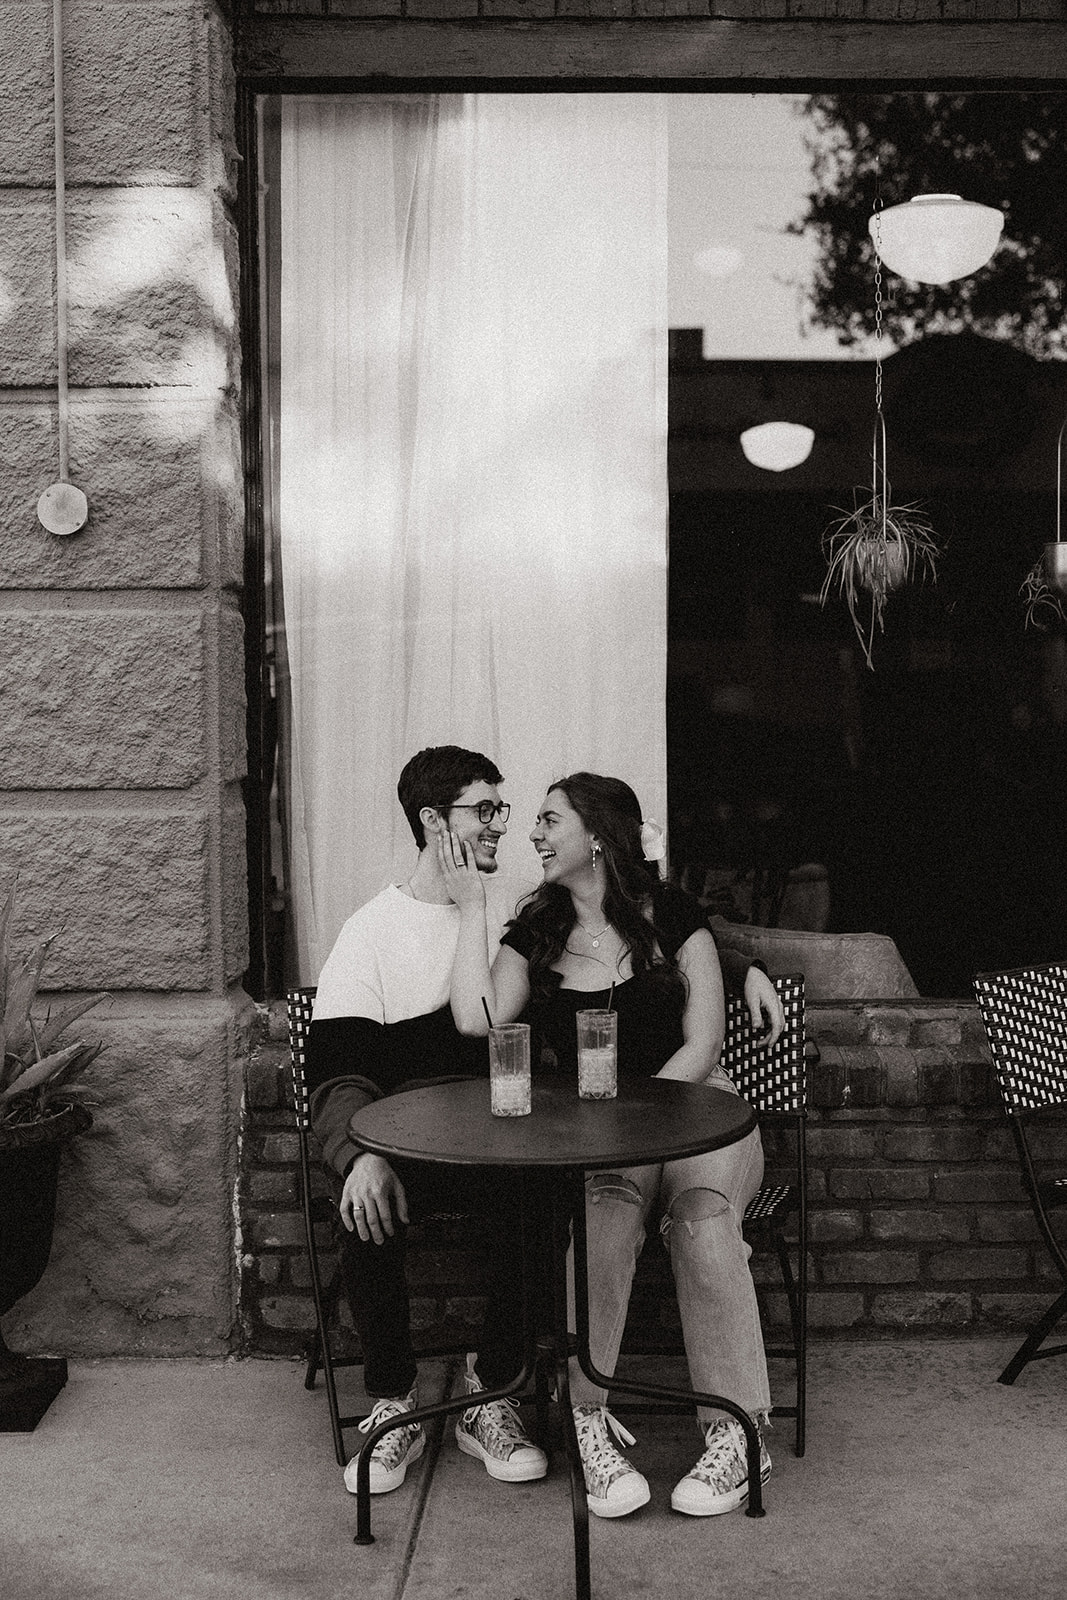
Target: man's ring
(357, 1208)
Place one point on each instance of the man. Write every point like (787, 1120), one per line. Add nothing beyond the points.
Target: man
(382, 1023)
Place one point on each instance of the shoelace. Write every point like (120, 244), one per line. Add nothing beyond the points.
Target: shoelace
(498, 1423)
(726, 1450)
(600, 1459)
(388, 1450)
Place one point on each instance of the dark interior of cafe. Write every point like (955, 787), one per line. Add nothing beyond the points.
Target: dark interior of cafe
(903, 775)
(929, 789)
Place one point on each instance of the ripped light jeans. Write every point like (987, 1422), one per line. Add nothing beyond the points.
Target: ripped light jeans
(703, 1200)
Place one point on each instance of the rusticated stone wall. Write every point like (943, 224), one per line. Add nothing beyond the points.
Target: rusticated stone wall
(918, 1220)
(121, 651)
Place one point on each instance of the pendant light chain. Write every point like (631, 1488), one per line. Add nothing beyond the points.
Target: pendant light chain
(878, 332)
(876, 235)
(879, 419)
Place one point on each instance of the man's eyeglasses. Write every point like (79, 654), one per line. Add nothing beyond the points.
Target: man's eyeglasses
(487, 810)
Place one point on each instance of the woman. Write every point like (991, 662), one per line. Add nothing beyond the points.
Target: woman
(600, 917)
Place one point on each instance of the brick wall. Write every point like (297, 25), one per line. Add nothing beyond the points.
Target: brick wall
(918, 1220)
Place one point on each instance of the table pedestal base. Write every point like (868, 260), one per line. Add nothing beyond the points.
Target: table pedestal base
(553, 1206)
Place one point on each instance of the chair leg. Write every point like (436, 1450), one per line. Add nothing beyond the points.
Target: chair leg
(542, 1400)
(1034, 1339)
(330, 1296)
(796, 1294)
(802, 1335)
(314, 1359)
(328, 1304)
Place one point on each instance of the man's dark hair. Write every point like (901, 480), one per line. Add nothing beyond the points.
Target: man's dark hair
(437, 777)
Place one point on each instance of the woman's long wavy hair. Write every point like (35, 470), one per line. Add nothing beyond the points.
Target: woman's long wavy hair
(611, 812)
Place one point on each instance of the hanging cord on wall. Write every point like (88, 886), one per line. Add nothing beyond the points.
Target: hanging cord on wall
(62, 508)
(61, 239)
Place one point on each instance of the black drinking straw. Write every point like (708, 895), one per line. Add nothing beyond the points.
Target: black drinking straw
(611, 993)
(485, 1008)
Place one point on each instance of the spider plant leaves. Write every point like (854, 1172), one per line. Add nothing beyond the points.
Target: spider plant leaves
(1044, 606)
(870, 551)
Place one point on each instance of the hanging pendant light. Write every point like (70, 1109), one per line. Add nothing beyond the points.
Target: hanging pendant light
(935, 238)
(777, 446)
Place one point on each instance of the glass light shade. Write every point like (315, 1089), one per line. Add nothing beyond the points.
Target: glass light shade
(777, 446)
(936, 237)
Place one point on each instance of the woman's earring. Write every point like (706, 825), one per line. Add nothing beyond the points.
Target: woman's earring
(596, 855)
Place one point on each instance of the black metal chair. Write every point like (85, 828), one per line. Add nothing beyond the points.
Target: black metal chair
(1025, 1017)
(319, 1213)
(775, 1084)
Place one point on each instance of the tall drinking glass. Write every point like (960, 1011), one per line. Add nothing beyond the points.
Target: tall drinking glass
(597, 1041)
(509, 1070)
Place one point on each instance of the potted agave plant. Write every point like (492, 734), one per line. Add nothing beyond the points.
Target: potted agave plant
(39, 1112)
(871, 550)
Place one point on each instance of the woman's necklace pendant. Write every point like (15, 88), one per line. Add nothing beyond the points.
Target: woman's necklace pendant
(596, 944)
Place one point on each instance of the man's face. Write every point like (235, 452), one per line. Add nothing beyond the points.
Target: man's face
(482, 837)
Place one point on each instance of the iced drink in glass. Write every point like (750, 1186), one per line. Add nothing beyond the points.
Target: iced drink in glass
(597, 1038)
(509, 1070)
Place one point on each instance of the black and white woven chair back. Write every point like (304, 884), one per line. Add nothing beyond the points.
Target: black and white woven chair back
(775, 1084)
(1025, 1016)
(299, 1006)
(774, 1081)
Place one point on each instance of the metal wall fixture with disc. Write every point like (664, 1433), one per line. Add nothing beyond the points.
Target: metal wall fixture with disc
(62, 508)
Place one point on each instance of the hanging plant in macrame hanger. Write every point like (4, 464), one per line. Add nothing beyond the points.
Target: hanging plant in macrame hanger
(1045, 585)
(877, 546)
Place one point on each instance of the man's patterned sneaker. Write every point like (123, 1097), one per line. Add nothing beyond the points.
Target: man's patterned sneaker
(395, 1452)
(495, 1434)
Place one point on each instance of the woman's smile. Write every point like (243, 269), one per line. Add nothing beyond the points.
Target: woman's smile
(561, 839)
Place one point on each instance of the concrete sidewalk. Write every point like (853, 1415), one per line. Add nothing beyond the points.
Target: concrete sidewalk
(212, 1480)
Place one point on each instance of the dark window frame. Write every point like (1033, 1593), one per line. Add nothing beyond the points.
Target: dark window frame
(308, 54)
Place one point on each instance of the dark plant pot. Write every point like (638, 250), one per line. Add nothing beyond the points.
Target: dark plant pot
(29, 1170)
(880, 564)
(1056, 566)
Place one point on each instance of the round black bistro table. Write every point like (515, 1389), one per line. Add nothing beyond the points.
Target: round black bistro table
(650, 1120)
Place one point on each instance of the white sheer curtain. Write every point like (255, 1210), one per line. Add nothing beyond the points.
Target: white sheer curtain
(473, 484)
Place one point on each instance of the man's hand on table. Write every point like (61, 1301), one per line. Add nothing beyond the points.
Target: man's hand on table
(372, 1189)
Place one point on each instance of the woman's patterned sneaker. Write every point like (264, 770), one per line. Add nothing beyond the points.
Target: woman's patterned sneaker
(613, 1488)
(719, 1481)
(394, 1453)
